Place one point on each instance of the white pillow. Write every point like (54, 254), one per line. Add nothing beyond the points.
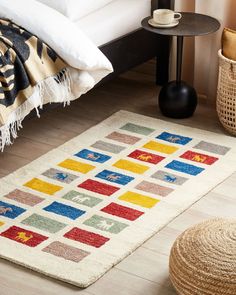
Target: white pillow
(70, 43)
(76, 9)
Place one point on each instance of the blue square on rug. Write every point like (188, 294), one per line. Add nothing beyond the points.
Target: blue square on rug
(174, 138)
(115, 177)
(64, 210)
(10, 211)
(185, 168)
(92, 156)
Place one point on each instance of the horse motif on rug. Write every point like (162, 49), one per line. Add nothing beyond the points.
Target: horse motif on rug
(173, 138)
(91, 156)
(4, 210)
(145, 157)
(113, 177)
(170, 178)
(81, 199)
(61, 176)
(23, 237)
(105, 225)
(199, 158)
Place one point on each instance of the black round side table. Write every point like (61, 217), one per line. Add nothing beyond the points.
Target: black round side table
(177, 99)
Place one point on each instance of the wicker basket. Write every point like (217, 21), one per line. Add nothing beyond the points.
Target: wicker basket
(226, 93)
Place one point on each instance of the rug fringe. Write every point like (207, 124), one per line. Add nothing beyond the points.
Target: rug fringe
(57, 89)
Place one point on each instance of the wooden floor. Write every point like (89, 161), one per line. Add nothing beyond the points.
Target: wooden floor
(146, 271)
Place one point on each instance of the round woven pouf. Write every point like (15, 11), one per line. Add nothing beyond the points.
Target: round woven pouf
(203, 259)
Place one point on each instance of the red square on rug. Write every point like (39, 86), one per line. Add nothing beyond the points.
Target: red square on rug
(122, 211)
(199, 158)
(86, 237)
(23, 236)
(99, 187)
(146, 157)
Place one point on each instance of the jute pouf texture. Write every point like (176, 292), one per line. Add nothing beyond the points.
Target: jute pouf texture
(203, 259)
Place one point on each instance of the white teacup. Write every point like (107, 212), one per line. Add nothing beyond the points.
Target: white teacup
(165, 16)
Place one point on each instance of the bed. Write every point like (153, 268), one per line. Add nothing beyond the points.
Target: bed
(114, 26)
(122, 39)
(53, 51)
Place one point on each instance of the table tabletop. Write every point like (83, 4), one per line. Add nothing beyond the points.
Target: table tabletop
(191, 24)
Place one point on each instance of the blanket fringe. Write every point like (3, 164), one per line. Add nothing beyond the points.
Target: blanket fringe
(53, 89)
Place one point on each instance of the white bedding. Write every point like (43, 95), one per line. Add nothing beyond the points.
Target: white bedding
(86, 63)
(103, 20)
(114, 20)
(76, 9)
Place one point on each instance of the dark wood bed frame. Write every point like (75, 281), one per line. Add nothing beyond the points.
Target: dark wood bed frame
(140, 46)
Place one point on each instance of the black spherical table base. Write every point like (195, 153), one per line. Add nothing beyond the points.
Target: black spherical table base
(177, 100)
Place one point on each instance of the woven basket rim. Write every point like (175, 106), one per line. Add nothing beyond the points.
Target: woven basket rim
(221, 56)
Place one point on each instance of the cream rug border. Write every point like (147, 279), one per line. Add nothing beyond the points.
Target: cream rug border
(83, 274)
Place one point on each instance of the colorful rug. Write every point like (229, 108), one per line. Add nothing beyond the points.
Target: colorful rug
(81, 208)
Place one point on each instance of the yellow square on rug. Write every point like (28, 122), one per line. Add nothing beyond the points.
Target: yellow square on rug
(80, 209)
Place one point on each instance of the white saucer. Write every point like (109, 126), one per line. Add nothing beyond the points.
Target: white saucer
(156, 25)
